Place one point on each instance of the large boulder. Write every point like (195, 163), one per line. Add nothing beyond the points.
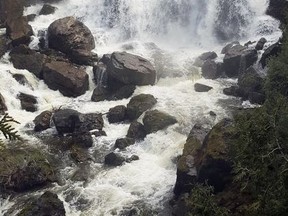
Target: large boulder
(211, 69)
(139, 104)
(186, 167)
(212, 159)
(73, 38)
(23, 57)
(272, 50)
(114, 159)
(66, 120)
(24, 169)
(238, 59)
(131, 69)
(155, 120)
(47, 204)
(199, 61)
(70, 80)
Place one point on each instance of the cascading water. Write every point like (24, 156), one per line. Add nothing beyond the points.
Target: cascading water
(170, 33)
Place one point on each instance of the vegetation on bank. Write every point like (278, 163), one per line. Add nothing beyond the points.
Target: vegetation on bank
(259, 153)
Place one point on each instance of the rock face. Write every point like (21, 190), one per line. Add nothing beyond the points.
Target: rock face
(73, 38)
(130, 69)
(139, 104)
(201, 88)
(42, 121)
(237, 59)
(155, 120)
(22, 170)
(65, 77)
(23, 57)
(47, 203)
(277, 9)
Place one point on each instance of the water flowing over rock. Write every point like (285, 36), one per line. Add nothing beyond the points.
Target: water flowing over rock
(131, 69)
(73, 38)
(201, 88)
(70, 80)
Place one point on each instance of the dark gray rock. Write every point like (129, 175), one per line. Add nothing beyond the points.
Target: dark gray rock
(114, 159)
(47, 9)
(70, 80)
(155, 120)
(90, 121)
(211, 69)
(256, 98)
(278, 9)
(139, 104)
(66, 121)
(4, 44)
(272, 50)
(47, 204)
(132, 158)
(229, 46)
(31, 17)
(82, 140)
(131, 69)
(100, 93)
(117, 114)
(233, 91)
(28, 102)
(136, 131)
(42, 121)
(260, 44)
(23, 57)
(73, 38)
(201, 88)
(20, 78)
(79, 155)
(122, 143)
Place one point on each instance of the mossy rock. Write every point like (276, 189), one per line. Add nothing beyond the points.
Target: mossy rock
(24, 169)
(155, 120)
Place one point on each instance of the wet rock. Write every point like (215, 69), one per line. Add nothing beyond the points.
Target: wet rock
(100, 74)
(229, 46)
(114, 159)
(4, 44)
(260, 44)
(23, 57)
(186, 167)
(28, 3)
(31, 17)
(213, 114)
(136, 131)
(256, 97)
(70, 80)
(132, 158)
(122, 143)
(28, 102)
(213, 164)
(82, 140)
(79, 155)
(24, 169)
(117, 114)
(47, 9)
(250, 81)
(238, 59)
(272, 50)
(199, 61)
(42, 121)
(98, 133)
(90, 121)
(155, 120)
(105, 58)
(66, 120)
(125, 91)
(82, 173)
(73, 38)
(20, 78)
(139, 104)
(47, 204)
(201, 88)
(233, 91)
(100, 93)
(211, 69)
(131, 69)
(3, 107)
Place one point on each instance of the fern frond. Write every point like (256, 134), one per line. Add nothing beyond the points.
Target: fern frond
(7, 130)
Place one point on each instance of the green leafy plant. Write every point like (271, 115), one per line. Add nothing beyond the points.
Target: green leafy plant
(7, 130)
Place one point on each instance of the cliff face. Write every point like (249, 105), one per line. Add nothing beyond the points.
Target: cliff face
(278, 9)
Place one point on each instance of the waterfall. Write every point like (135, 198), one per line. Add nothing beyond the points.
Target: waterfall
(171, 34)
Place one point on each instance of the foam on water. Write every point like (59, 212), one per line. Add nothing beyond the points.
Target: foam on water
(170, 33)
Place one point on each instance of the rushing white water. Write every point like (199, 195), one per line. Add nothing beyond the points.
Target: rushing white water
(170, 33)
